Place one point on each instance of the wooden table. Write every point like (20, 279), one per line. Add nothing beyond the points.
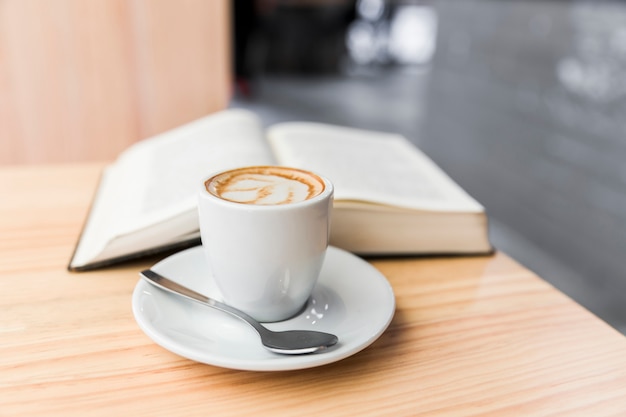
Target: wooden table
(471, 336)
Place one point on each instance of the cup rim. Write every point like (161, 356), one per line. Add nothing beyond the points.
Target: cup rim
(328, 190)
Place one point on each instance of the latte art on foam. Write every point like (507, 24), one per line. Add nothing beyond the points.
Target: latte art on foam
(265, 185)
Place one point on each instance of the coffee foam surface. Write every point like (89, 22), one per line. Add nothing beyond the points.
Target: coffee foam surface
(265, 185)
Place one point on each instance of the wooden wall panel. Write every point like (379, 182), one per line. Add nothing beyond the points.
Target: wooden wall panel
(83, 79)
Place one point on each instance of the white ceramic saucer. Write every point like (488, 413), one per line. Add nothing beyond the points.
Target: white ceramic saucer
(352, 300)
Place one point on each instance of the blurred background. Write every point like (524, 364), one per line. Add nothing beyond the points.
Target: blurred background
(522, 102)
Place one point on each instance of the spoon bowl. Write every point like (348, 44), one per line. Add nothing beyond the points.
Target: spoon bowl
(290, 342)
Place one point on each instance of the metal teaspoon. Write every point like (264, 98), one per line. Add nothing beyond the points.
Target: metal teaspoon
(290, 342)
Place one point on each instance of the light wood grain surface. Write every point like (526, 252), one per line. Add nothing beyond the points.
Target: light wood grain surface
(82, 80)
(476, 336)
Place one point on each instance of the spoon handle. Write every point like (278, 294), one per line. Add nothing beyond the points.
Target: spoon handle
(173, 287)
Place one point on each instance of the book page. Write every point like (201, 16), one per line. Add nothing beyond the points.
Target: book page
(162, 175)
(369, 166)
(157, 179)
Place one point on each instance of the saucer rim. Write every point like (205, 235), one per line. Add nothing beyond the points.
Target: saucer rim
(335, 257)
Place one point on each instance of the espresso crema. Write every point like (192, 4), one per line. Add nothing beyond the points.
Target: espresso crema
(265, 185)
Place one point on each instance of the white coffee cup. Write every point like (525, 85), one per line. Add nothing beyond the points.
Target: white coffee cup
(265, 232)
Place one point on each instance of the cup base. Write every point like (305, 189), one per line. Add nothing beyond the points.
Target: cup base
(297, 313)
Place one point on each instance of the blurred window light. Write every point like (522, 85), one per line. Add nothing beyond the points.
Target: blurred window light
(401, 33)
(371, 10)
(412, 35)
(594, 68)
(360, 40)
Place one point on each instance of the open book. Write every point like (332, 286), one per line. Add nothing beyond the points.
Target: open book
(390, 199)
